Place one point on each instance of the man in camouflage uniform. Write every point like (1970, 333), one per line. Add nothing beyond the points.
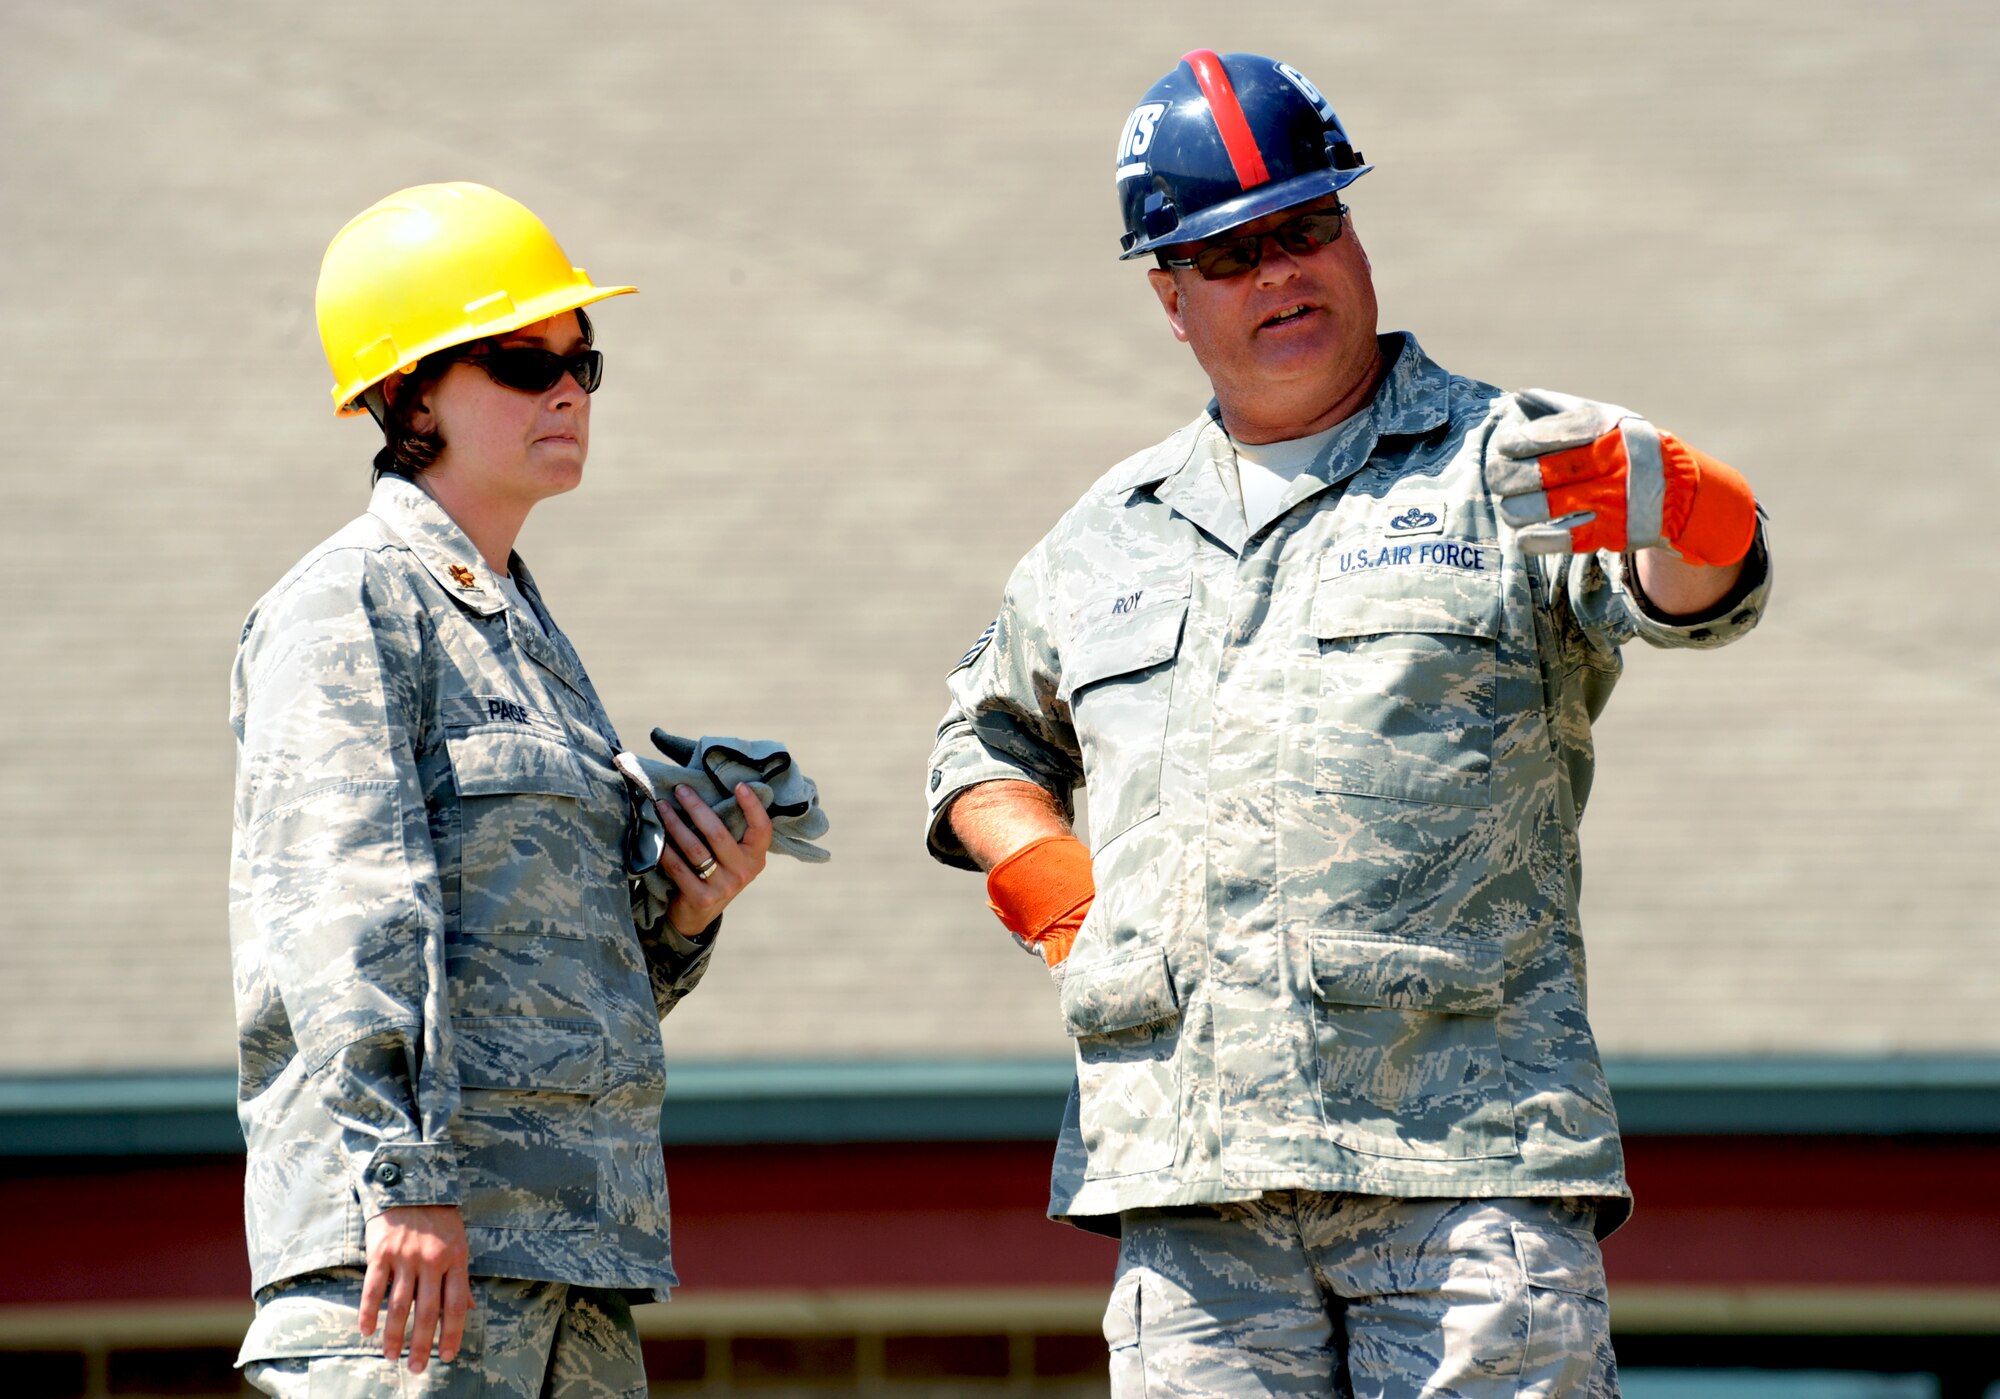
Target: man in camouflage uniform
(1325, 661)
(450, 1068)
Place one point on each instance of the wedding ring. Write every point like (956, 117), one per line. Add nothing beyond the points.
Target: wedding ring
(705, 868)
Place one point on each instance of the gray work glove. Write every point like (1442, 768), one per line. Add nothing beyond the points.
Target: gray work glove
(713, 767)
(1574, 476)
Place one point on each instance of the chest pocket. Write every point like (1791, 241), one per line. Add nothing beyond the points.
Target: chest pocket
(523, 844)
(1408, 664)
(1117, 679)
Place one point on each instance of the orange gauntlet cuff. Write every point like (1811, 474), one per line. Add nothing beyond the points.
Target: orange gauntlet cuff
(1721, 514)
(1042, 891)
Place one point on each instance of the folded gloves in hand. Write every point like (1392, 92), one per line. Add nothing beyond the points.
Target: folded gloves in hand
(712, 767)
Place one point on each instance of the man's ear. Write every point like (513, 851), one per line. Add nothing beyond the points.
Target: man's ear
(1169, 292)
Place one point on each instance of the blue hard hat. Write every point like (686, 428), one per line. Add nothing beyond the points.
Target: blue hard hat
(1224, 139)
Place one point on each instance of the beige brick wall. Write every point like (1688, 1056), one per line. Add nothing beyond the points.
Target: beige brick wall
(882, 342)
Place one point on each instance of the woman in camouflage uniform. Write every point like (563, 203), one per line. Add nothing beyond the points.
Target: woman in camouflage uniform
(450, 1060)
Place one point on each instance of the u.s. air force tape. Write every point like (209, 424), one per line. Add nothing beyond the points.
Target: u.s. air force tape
(1462, 555)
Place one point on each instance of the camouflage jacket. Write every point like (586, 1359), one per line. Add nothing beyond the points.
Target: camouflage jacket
(1334, 773)
(441, 994)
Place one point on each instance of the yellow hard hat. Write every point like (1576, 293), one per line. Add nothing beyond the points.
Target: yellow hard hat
(434, 266)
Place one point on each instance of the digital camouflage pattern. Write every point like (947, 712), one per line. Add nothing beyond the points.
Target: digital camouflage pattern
(523, 1340)
(442, 997)
(1309, 1294)
(1335, 770)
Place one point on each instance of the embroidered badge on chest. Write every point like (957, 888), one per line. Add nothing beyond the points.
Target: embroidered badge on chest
(1415, 517)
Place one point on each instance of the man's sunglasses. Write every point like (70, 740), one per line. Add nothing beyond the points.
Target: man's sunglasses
(533, 370)
(1232, 257)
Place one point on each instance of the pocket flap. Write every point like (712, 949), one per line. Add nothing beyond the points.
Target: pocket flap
(1120, 994)
(1112, 643)
(497, 762)
(1363, 969)
(1562, 1260)
(1440, 600)
(529, 1054)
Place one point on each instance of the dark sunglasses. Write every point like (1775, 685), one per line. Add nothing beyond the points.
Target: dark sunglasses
(1232, 257)
(532, 370)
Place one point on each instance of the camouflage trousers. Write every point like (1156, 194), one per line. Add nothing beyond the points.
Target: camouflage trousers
(523, 1340)
(1304, 1293)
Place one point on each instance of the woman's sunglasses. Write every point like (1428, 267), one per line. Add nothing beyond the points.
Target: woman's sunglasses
(532, 370)
(1232, 257)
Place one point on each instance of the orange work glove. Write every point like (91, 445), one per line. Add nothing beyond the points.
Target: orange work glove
(1041, 893)
(1575, 476)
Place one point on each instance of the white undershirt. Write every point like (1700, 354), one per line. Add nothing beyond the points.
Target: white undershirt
(1266, 470)
(519, 602)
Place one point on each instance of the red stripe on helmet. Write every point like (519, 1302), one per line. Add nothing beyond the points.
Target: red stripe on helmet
(1237, 138)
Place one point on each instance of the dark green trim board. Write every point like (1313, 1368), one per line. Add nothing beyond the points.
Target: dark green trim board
(859, 1101)
(709, 1104)
(1881, 1097)
(120, 1114)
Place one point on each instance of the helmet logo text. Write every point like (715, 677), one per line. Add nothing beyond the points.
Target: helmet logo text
(1137, 137)
(1306, 90)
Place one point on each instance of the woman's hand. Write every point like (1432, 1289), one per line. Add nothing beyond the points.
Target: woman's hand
(699, 841)
(417, 1257)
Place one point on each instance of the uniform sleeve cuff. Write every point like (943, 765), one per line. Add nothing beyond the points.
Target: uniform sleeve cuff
(949, 780)
(1737, 612)
(408, 1173)
(700, 945)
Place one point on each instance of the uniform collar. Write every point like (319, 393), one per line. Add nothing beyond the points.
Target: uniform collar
(451, 558)
(550, 649)
(1187, 470)
(1413, 398)
(439, 544)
